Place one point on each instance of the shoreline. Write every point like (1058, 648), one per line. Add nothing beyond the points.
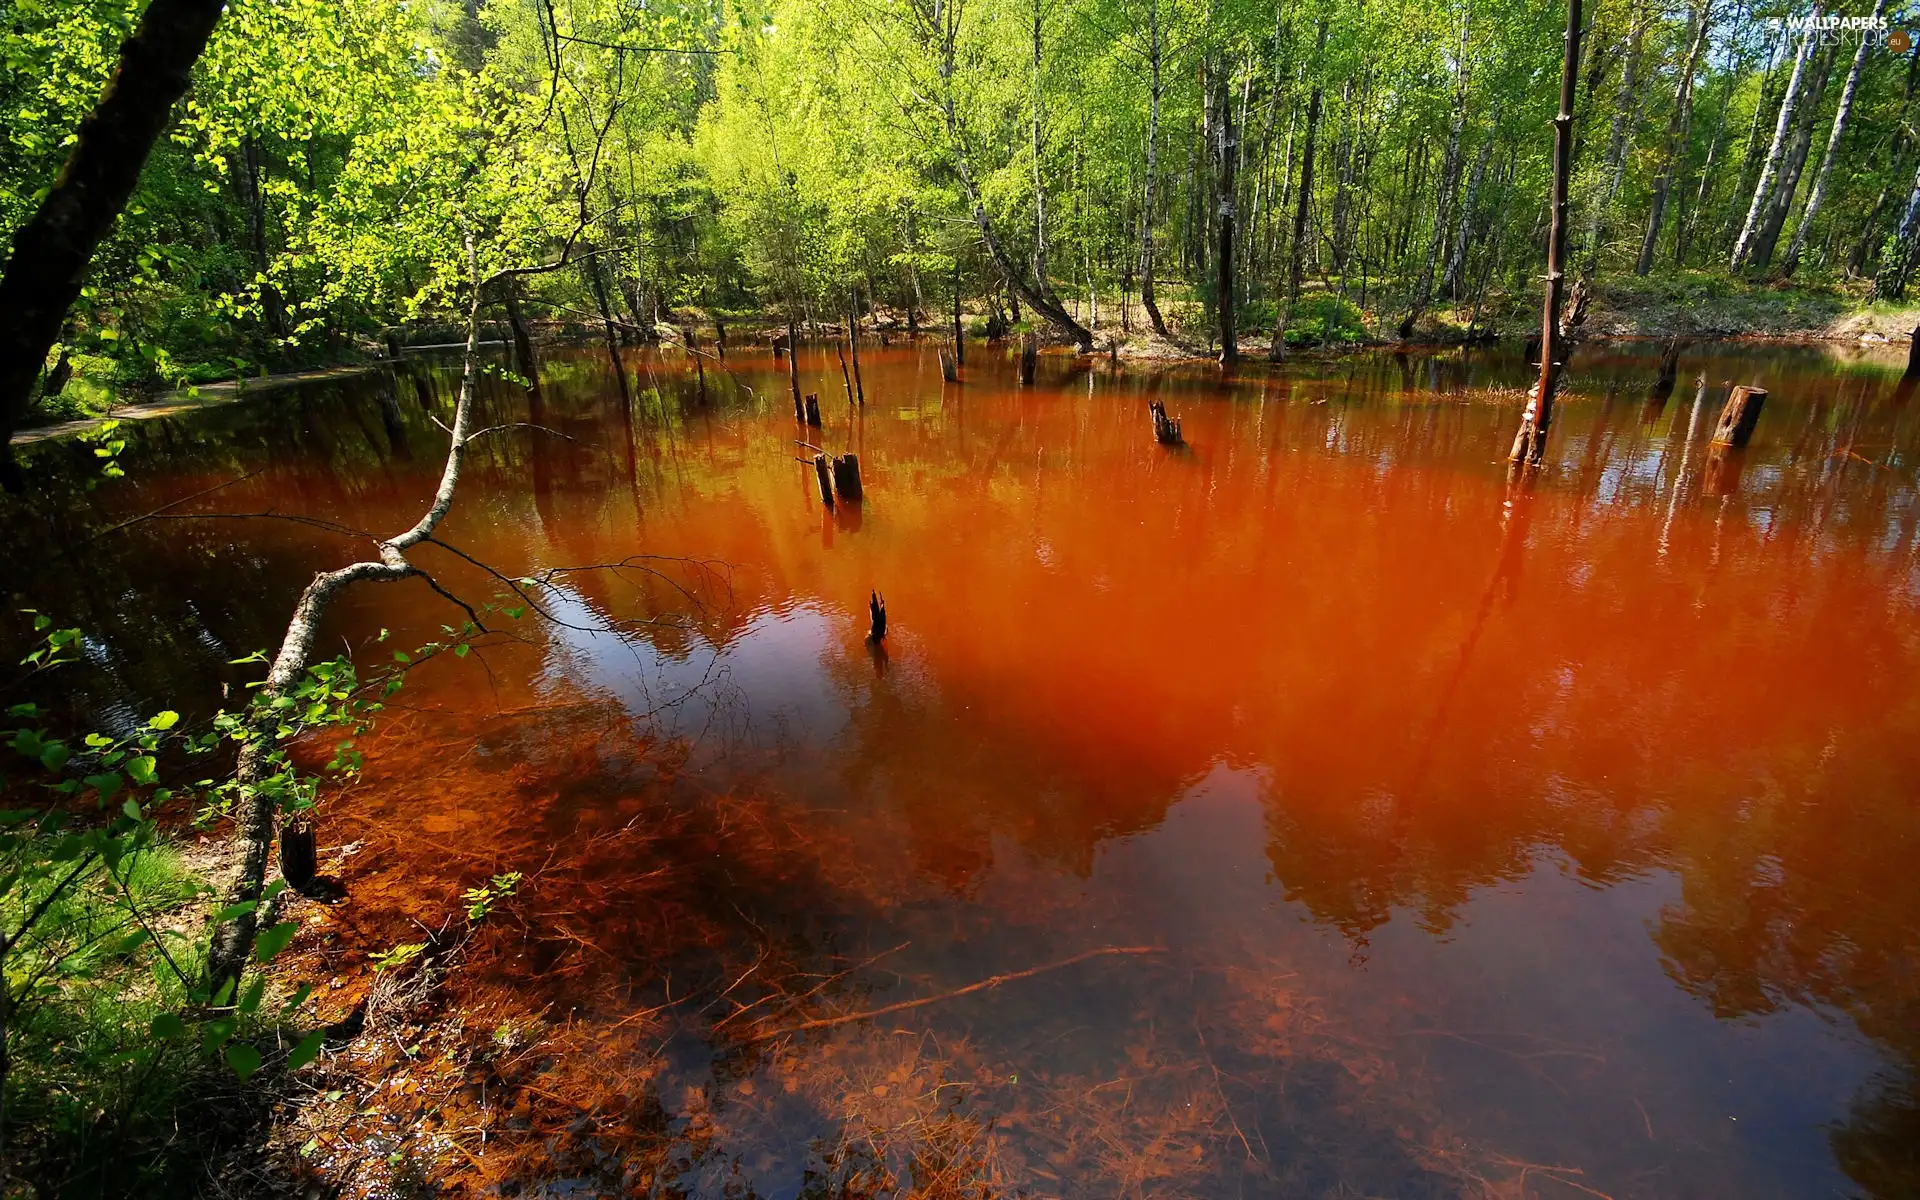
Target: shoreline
(1860, 330)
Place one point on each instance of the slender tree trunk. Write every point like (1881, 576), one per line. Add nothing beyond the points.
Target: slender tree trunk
(1228, 157)
(1454, 281)
(947, 34)
(528, 365)
(1763, 190)
(252, 838)
(52, 249)
(1039, 187)
(1296, 251)
(1819, 193)
(1147, 210)
(1675, 143)
(1891, 282)
(1760, 255)
(1863, 248)
(1449, 185)
(1530, 444)
(1625, 107)
(591, 266)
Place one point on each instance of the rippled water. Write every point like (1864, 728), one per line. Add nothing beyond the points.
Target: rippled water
(1346, 820)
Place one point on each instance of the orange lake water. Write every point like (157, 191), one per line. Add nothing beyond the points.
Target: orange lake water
(1422, 834)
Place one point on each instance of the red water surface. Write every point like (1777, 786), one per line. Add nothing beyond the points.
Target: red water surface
(1343, 818)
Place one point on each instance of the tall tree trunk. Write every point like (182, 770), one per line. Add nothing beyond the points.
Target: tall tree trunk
(1625, 106)
(1228, 156)
(1530, 444)
(1296, 251)
(1039, 187)
(1819, 193)
(1891, 282)
(1763, 190)
(1449, 185)
(52, 250)
(1154, 52)
(947, 34)
(1863, 248)
(1676, 140)
(1760, 255)
(523, 357)
(591, 265)
(1454, 281)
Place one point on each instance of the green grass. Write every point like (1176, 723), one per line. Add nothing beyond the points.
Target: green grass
(95, 1101)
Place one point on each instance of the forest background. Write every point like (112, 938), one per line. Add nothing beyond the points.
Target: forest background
(1152, 171)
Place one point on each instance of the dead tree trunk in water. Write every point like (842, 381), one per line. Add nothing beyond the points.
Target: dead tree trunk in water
(52, 250)
(793, 373)
(959, 336)
(853, 347)
(1530, 444)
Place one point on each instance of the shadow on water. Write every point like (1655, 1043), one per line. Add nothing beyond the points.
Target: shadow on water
(1330, 815)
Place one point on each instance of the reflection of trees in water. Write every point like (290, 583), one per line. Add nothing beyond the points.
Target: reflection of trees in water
(1798, 894)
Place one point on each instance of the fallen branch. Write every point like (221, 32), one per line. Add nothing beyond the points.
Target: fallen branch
(983, 985)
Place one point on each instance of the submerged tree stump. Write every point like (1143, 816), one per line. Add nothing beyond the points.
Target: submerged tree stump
(813, 410)
(720, 336)
(1739, 417)
(299, 855)
(846, 477)
(1166, 430)
(1029, 358)
(825, 478)
(877, 614)
(949, 371)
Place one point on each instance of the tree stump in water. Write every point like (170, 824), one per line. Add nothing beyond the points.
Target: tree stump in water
(393, 344)
(1669, 372)
(1029, 358)
(720, 336)
(1166, 430)
(846, 477)
(1739, 417)
(813, 410)
(877, 614)
(299, 855)
(1533, 349)
(826, 479)
(948, 371)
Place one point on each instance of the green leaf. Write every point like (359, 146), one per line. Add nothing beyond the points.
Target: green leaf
(274, 940)
(106, 784)
(307, 1050)
(168, 1026)
(131, 808)
(55, 756)
(235, 910)
(141, 769)
(164, 720)
(250, 998)
(244, 1060)
(460, 651)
